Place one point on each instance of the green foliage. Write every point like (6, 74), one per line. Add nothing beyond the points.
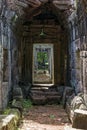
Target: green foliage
(42, 56)
(52, 116)
(18, 129)
(6, 111)
(13, 111)
(26, 104)
(42, 59)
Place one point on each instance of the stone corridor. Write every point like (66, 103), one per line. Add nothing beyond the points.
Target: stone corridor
(43, 44)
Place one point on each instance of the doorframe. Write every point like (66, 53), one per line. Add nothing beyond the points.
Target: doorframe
(50, 45)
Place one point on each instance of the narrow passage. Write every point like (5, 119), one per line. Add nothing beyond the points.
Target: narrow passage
(48, 117)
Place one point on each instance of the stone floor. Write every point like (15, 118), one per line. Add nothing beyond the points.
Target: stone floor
(42, 78)
(48, 117)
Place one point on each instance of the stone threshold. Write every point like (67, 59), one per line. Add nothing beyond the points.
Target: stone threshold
(70, 128)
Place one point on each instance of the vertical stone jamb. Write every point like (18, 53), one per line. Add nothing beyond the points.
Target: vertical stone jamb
(1, 65)
(9, 59)
(83, 55)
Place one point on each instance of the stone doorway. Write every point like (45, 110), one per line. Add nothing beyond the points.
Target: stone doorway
(45, 28)
(43, 64)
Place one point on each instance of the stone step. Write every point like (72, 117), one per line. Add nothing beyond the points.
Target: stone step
(70, 128)
(39, 100)
(43, 95)
(45, 100)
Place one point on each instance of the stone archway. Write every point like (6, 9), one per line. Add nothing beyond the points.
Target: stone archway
(52, 36)
(45, 16)
(14, 16)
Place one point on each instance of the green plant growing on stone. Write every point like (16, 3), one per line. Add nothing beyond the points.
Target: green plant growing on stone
(26, 104)
(52, 116)
(6, 111)
(18, 129)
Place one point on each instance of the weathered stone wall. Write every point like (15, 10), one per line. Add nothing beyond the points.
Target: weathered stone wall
(7, 43)
(3, 43)
(77, 27)
(74, 56)
(78, 65)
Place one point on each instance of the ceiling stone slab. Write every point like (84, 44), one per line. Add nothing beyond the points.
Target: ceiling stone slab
(34, 3)
(61, 4)
(22, 4)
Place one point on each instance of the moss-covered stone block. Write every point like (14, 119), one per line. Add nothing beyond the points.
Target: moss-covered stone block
(10, 121)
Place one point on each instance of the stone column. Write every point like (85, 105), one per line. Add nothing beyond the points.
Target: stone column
(73, 59)
(1, 64)
(9, 55)
(83, 55)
